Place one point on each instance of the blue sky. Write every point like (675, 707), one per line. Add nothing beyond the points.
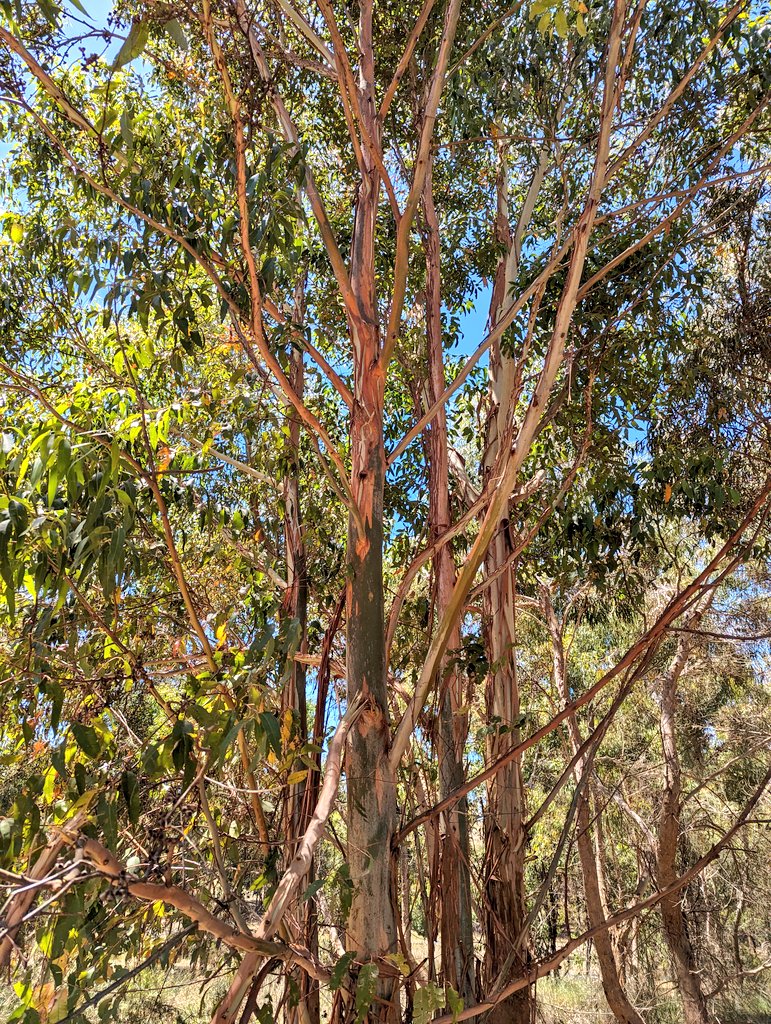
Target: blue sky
(98, 10)
(473, 325)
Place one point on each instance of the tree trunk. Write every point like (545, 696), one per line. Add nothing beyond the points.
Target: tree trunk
(506, 811)
(504, 870)
(457, 940)
(590, 856)
(371, 930)
(672, 915)
(295, 607)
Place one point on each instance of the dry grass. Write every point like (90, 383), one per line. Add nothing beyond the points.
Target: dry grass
(176, 995)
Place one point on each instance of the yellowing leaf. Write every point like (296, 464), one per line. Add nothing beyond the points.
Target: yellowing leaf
(29, 585)
(287, 722)
(49, 785)
(398, 960)
(295, 777)
(667, 493)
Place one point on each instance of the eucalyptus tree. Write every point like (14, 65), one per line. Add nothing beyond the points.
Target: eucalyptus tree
(244, 236)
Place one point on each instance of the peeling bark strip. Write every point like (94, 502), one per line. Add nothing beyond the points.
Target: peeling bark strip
(505, 836)
(294, 701)
(507, 942)
(371, 783)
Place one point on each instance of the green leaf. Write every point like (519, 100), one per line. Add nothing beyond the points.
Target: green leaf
(340, 970)
(312, 889)
(366, 989)
(272, 729)
(49, 784)
(127, 134)
(427, 1001)
(57, 760)
(129, 787)
(49, 10)
(134, 44)
(107, 817)
(53, 485)
(400, 962)
(175, 32)
(454, 1001)
(344, 888)
(87, 739)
